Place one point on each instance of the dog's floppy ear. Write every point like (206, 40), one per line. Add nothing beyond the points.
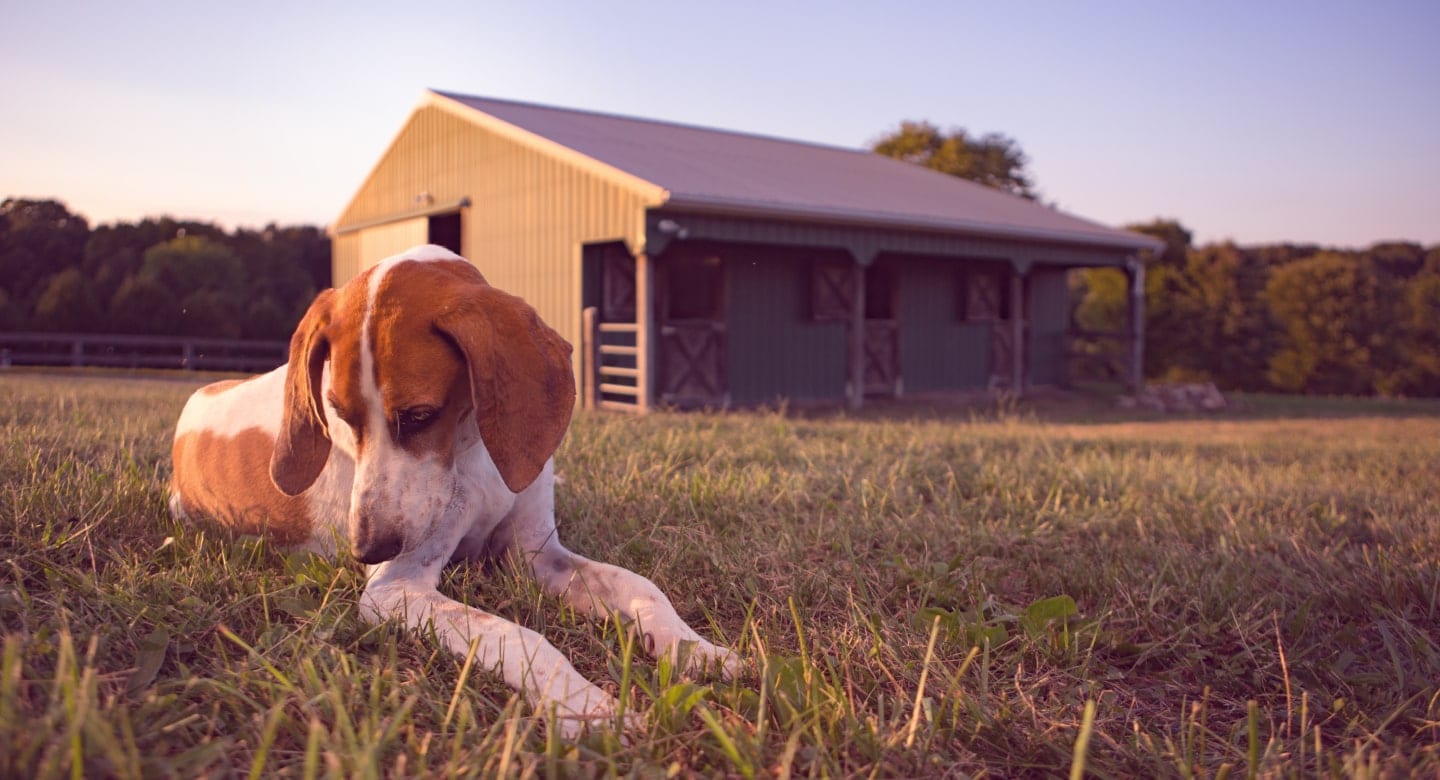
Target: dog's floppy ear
(520, 379)
(303, 444)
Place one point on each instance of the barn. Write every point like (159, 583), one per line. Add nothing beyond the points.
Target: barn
(695, 267)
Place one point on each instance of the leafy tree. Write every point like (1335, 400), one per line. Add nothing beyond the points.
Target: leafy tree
(313, 248)
(190, 264)
(210, 313)
(273, 267)
(145, 307)
(11, 317)
(266, 319)
(1336, 327)
(1420, 325)
(68, 304)
(1222, 327)
(37, 238)
(114, 253)
(1398, 259)
(993, 159)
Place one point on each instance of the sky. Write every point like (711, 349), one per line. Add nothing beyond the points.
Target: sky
(1258, 122)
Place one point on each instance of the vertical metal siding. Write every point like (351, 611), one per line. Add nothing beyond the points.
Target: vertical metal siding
(775, 350)
(344, 258)
(391, 238)
(938, 350)
(1049, 318)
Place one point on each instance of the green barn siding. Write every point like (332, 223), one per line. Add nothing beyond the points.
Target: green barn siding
(775, 350)
(1049, 319)
(938, 351)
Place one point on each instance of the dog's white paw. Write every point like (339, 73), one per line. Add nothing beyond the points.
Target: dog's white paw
(703, 658)
(590, 710)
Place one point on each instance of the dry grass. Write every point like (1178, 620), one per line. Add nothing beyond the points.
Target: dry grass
(924, 591)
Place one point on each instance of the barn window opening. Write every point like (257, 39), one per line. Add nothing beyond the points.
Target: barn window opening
(694, 286)
(879, 293)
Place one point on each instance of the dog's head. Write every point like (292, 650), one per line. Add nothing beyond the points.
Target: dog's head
(425, 361)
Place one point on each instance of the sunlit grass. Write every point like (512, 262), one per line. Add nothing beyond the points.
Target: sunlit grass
(1043, 590)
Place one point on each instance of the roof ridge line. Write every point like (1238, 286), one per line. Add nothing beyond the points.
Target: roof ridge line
(459, 96)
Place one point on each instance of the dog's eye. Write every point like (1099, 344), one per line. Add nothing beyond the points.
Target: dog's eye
(414, 420)
(346, 415)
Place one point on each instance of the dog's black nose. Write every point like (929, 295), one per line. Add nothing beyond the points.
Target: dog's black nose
(374, 551)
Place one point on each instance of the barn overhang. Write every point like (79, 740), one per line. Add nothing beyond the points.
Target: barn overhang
(865, 242)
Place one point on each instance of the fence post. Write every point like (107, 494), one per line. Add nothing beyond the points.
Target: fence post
(77, 353)
(187, 355)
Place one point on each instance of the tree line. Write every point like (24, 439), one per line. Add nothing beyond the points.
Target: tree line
(159, 276)
(1290, 318)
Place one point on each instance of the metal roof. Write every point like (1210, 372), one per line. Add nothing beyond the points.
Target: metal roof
(703, 169)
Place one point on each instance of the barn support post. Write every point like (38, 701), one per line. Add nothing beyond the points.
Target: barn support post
(857, 339)
(1135, 326)
(1017, 333)
(589, 357)
(645, 341)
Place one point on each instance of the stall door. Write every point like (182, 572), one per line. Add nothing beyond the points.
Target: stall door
(691, 319)
(882, 332)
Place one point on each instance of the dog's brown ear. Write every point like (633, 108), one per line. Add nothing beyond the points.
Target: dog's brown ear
(303, 444)
(520, 379)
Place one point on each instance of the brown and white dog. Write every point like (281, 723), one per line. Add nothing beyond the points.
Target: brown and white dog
(416, 419)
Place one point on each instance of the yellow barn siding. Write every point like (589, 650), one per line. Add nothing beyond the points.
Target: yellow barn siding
(392, 238)
(344, 258)
(529, 212)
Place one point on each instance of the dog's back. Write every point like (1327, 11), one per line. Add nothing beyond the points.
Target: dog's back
(221, 454)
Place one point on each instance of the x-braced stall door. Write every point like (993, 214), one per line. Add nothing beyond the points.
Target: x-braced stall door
(988, 299)
(833, 289)
(693, 354)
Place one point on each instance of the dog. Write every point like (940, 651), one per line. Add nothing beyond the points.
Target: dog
(416, 421)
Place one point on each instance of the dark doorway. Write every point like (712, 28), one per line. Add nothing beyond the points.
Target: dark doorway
(445, 231)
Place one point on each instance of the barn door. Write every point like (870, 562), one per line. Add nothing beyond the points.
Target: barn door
(988, 300)
(693, 348)
(832, 299)
(882, 331)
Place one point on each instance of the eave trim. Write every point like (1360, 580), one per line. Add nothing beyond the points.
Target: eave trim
(448, 207)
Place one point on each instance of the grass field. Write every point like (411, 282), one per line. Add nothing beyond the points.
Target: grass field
(922, 591)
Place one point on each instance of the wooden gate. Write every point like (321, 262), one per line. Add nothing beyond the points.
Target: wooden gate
(611, 372)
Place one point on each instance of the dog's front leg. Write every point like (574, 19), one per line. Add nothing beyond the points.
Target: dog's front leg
(406, 591)
(600, 588)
